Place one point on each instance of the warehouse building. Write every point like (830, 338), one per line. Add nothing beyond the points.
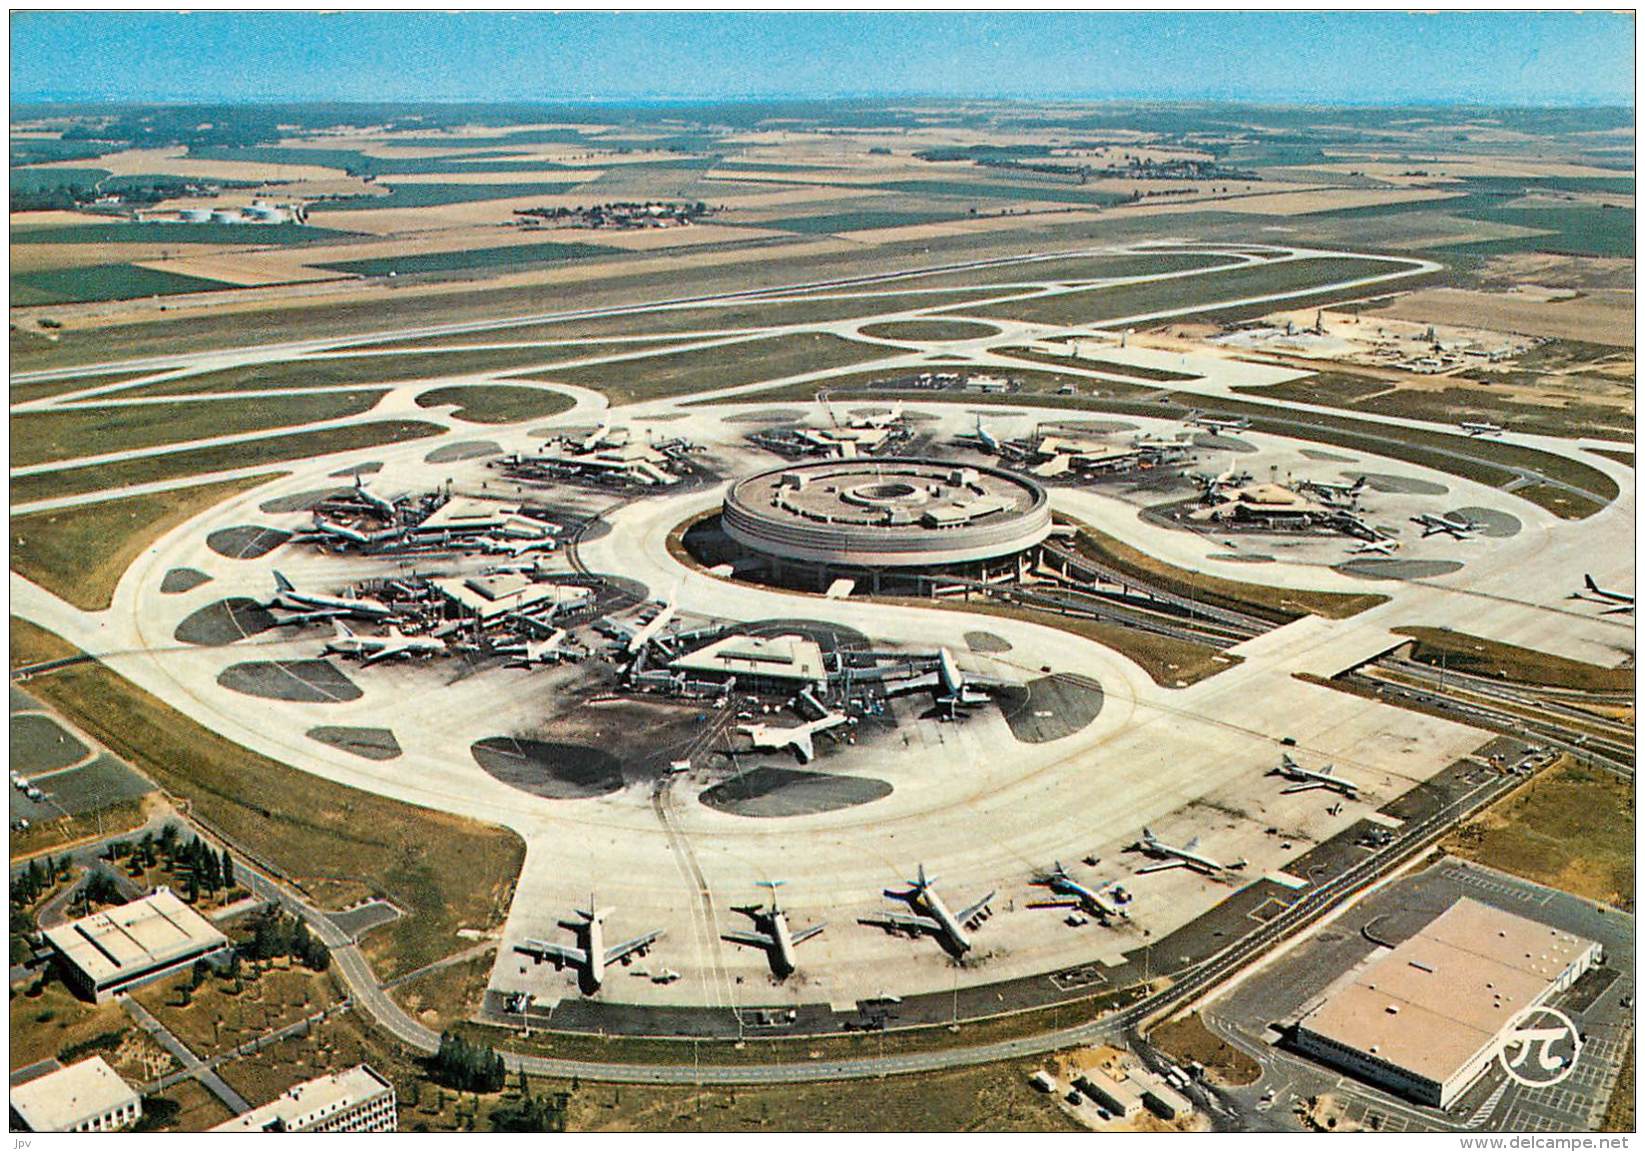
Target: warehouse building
(122, 948)
(1426, 1018)
(84, 1097)
(355, 1100)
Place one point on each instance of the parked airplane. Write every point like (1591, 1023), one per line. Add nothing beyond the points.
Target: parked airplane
(774, 738)
(951, 688)
(772, 932)
(514, 547)
(319, 606)
(374, 648)
(1106, 901)
(1215, 424)
(324, 527)
(373, 501)
(1308, 779)
(1380, 547)
(1184, 857)
(1460, 529)
(1620, 601)
(551, 650)
(593, 958)
(1325, 487)
(931, 915)
(635, 638)
(1480, 428)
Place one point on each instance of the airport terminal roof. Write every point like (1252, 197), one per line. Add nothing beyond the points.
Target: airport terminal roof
(149, 933)
(775, 657)
(467, 512)
(61, 1100)
(1434, 1001)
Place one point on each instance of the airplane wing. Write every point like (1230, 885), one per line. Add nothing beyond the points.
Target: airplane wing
(966, 914)
(543, 950)
(752, 939)
(614, 954)
(805, 934)
(311, 617)
(1308, 787)
(385, 652)
(1162, 866)
(903, 921)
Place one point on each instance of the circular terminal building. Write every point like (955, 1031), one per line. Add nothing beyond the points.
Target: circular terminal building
(887, 524)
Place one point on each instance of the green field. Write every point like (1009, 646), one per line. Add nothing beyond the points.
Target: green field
(852, 221)
(67, 433)
(80, 553)
(100, 282)
(46, 179)
(339, 844)
(679, 373)
(160, 232)
(336, 371)
(197, 461)
(41, 389)
(433, 195)
(510, 256)
(1061, 193)
(1203, 292)
(497, 403)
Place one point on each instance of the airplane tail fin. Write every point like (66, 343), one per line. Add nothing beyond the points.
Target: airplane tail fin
(1586, 580)
(282, 583)
(341, 630)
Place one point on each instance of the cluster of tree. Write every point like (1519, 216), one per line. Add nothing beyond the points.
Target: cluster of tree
(35, 880)
(100, 888)
(277, 933)
(466, 1066)
(204, 869)
(531, 1114)
(69, 196)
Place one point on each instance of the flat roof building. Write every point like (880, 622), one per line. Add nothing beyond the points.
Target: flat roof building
(1425, 1019)
(84, 1097)
(1122, 1098)
(122, 948)
(357, 1099)
(788, 662)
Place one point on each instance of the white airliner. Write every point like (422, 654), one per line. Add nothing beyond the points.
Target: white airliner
(931, 915)
(1215, 424)
(550, 650)
(1106, 901)
(514, 547)
(373, 501)
(1307, 779)
(1170, 856)
(375, 648)
(1619, 601)
(950, 687)
(635, 638)
(772, 932)
(324, 527)
(319, 606)
(1480, 428)
(1460, 529)
(986, 438)
(774, 738)
(593, 958)
(1379, 547)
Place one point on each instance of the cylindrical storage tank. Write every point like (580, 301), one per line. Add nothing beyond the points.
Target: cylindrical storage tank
(226, 216)
(264, 214)
(194, 215)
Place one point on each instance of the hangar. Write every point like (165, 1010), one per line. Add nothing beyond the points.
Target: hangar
(121, 948)
(887, 522)
(1427, 1018)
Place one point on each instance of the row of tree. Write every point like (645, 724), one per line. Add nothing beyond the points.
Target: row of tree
(466, 1066)
(278, 933)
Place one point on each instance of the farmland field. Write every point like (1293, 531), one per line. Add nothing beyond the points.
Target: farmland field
(517, 255)
(159, 232)
(102, 282)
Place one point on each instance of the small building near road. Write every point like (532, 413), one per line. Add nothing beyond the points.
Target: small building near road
(122, 948)
(357, 1099)
(84, 1097)
(1426, 1018)
(1121, 1098)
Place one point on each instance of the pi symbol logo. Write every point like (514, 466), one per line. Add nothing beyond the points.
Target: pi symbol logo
(1539, 1047)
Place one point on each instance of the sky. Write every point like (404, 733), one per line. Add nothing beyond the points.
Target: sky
(1522, 58)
